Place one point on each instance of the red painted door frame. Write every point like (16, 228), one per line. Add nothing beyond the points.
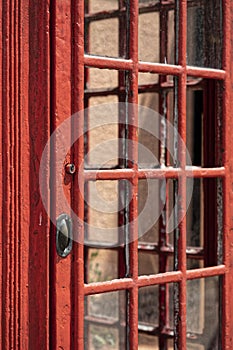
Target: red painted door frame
(25, 115)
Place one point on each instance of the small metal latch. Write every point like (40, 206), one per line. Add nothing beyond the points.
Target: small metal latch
(70, 168)
(64, 236)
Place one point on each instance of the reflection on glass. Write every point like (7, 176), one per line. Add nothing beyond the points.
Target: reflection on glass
(105, 321)
(149, 37)
(101, 338)
(204, 37)
(149, 208)
(204, 221)
(103, 204)
(203, 318)
(103, 306)
(194, 216)
(106, 28)
(102, 134)
(102, 5)
(148, 306)
(102, 265)
(103, 38)
(148, 342)
(148, 263)
(156, 34)
(102, 79)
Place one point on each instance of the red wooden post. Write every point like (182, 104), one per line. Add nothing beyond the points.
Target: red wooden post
(24, 133)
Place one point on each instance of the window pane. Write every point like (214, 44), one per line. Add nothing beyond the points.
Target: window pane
(204, 37)
(203, 318)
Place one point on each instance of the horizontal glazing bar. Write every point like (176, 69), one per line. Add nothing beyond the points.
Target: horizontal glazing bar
(108, 286)
(128, 283)
(107, 62)
(123, 64)
(161, 68)
(150, 67)
(144, 281)
(206, 73)
(159, 173)
(205, 172)
(161, 278)
(108, 174)
(206, 272)
(190, 172)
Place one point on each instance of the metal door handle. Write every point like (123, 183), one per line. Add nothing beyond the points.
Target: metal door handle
(64, 236)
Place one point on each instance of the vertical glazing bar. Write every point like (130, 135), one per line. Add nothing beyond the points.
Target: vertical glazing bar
(176, 230)
(180, 102)
(182, 160)
(133, 163)
(122, 251)
(227, 302)
(77, 327)
(163, 288)
(86, 81)
(86, 150)
(122, 78)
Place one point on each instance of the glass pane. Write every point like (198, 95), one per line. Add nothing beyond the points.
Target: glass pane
(102, 5)
(101, 338)
(148, 263)
(149, 37)
(151, 313)
(156, 117)
(204, 222)
(150, 207)
(194, 217)
(106, 28)
(156, 32)
(204, 121)
(102, 265)
(105, 118)
(204, 37)
(194, 346)
(194, 131)
(102, 133)
(103, 205)
(103, 306)
(103, 38)
(147, 78)
(148, 304)
(101, 78)
(203, 318)
(105, 321)
(148, 342)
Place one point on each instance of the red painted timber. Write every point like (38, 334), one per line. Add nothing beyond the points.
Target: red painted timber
(24, 111)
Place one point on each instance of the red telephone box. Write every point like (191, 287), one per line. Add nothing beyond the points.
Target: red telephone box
(165, 289)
